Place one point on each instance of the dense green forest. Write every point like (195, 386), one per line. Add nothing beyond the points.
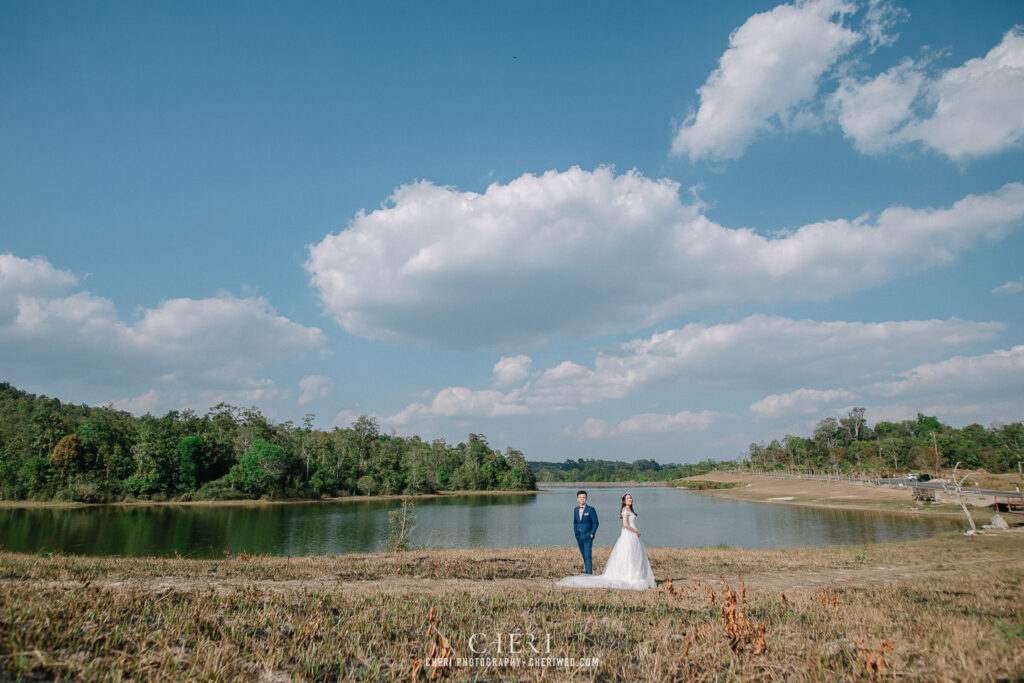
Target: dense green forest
(611, 470)
(849, 445)
(51, 450)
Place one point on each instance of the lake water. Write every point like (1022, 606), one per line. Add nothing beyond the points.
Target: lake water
(666, 517)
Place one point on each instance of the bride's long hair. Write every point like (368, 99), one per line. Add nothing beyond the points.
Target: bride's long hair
(624, 506)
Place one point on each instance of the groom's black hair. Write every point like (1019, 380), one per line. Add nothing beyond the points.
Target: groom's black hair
(583, 492)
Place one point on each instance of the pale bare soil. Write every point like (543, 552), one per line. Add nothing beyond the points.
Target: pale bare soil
(869, 574)
(835, 494)
(485, 570)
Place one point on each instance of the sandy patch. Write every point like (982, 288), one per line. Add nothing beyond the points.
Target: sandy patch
(837, 494)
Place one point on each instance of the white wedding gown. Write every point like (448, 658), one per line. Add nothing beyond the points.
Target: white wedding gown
(627, 568)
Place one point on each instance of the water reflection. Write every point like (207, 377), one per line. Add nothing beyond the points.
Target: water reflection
(667, 517)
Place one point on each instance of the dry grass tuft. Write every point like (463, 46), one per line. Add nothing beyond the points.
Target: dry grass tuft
(873, 661)
(828, 599)
(738, 629)
(440, 656)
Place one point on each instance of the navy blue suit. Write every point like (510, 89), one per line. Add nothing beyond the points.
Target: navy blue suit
(584, 529)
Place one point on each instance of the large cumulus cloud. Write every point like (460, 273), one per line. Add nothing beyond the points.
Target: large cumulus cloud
(578, 253)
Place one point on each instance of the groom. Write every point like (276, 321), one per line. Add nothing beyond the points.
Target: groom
(584, 527)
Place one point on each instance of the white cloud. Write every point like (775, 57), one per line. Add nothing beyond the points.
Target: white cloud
(780, 64)
(139, 405)
(511, 369)
(577, 253)
(31, 276)
(461, 402)
(232, 333)
(879, 17)
(538, 257)
(871, 111)
(645, 423)
(759, 351)
(969, 111)
(972, 388)
(801, 401)
(345, 418)
(181, 348)
(594, 428)
(314, 387)
(995, 375)
(178, 392)
(1011, 287)
(979, 107)
(772, 67)
(655, 422)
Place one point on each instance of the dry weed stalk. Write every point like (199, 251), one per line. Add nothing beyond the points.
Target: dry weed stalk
(240, 555)
(690, 639)
(449, 565)
(311, 628)
(738, 629)
(828, 599)
(441, 653)
(712, 596)
(874, 662)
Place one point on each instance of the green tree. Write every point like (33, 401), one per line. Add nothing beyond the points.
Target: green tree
(926, 425)
(367, 484)
(199, 461)
(263, 469)
(107, 436)
(68, 454)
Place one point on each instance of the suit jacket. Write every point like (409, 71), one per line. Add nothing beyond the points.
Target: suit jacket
(588, 525)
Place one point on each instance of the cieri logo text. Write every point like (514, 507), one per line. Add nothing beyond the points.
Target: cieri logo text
(512, 643)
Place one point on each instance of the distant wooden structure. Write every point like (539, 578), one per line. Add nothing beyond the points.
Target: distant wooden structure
(924, 494)
(1011, 504)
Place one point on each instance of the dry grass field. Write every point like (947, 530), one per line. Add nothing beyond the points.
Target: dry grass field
(948, 608)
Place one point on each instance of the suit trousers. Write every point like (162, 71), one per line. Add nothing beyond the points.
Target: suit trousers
(586, 542)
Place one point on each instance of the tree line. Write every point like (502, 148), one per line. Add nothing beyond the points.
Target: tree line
(849, 445)
(612, 470)
(846, 445)
(51, 450)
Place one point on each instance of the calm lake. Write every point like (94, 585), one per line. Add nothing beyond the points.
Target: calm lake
(666, 517)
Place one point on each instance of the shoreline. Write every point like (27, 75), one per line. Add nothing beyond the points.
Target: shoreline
(30, 504)
(832, 495)
(603, 484)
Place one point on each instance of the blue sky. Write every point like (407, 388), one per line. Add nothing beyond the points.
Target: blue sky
(582, 229)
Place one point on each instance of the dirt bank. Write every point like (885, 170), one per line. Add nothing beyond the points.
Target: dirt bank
(835, 494)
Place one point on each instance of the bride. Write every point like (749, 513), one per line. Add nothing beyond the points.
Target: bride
(627, 566)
